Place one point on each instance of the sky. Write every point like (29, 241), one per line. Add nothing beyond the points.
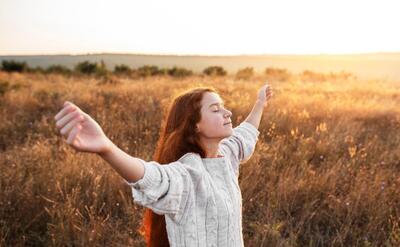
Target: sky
(202, 27)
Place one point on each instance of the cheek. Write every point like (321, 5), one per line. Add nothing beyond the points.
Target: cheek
(212, 123)
(213, 120)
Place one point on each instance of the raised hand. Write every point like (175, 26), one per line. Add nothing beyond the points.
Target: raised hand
(82, 132)
(264, 94)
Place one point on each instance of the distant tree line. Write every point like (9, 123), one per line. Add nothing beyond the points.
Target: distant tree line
(100, 69)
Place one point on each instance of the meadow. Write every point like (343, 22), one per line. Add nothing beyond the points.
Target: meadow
(325, 172)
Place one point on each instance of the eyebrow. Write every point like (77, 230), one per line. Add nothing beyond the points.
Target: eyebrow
(218, 103)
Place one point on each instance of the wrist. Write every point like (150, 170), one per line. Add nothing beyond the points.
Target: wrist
(261, 102)
(108, 148)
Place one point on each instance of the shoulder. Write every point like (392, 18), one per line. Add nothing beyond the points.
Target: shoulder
(190, 157)
(247, 128)
(192, 163)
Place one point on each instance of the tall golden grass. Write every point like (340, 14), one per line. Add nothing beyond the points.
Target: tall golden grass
(325, 171)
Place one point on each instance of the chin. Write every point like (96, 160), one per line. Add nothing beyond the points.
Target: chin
(229, 132)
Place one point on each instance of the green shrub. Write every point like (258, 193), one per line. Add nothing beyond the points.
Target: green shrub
(86, 67)
(58, 69)
(122, 69)
(37, 69)
(214, 71)
(245, 73)
(309, 75)
(277, 74)
(163, 71)
(14, 66)
(101, 69)
(149, 70)
(91, 68)
(179, 72)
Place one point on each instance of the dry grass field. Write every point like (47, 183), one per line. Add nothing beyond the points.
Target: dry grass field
(325, 172)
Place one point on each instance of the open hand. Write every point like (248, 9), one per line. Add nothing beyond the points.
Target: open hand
(82, 132)
(264, 94)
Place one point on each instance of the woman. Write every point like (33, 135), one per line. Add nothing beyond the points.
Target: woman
(190, 190)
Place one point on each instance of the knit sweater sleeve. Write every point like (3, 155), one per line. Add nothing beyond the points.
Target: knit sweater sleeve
(241, 144)
(163, 188)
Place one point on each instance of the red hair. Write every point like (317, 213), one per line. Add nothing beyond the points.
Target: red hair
(177, 137)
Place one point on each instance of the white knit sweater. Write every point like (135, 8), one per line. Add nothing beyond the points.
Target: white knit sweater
(200, 197)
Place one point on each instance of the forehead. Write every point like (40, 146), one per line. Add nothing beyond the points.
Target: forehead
(210, 98)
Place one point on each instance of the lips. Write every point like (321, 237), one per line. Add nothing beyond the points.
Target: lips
(228, 123)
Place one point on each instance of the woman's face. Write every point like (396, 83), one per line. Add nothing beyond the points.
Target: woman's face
(215, 119)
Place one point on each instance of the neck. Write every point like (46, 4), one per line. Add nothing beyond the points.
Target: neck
(211, 147)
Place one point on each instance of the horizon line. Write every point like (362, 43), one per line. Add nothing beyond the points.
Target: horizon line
(201, 55)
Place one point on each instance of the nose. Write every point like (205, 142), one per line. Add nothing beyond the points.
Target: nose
(228, 113)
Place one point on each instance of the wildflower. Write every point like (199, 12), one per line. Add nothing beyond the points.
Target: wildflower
(383, 185)
(352, 151)
(322, 127)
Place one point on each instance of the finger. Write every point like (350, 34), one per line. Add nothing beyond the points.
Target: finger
(74, 132)
(67, 109)
(67, 118)
(67, 128)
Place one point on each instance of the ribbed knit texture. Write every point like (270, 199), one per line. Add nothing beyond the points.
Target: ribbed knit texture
(200, 197)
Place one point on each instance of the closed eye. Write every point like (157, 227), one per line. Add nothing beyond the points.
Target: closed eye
(219, 109)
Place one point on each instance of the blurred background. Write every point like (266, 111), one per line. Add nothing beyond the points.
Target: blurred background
(326, 169)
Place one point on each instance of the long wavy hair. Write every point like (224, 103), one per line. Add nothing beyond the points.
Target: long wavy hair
(177, 137)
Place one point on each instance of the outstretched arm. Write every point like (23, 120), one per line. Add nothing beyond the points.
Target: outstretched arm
(128, 167)
(84, 134)
(241, 144)
(163, 188)
(255, 115)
